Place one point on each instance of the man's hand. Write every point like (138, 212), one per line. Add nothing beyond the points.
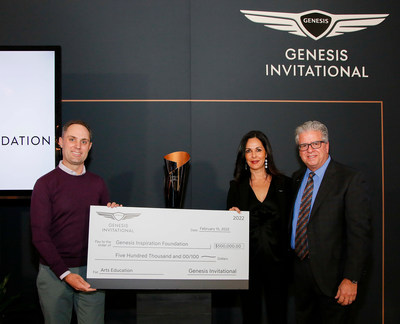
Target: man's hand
(346, 293)
(78, 283)
(113, 204)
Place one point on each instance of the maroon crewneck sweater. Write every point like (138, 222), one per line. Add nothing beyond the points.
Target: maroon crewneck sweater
(60, 206)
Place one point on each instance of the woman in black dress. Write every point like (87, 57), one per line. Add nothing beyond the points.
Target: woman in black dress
(261, 189)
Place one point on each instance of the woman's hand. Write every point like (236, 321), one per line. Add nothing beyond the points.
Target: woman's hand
(234, 209)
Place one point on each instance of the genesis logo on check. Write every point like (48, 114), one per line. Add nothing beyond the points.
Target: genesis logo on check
(315, 24)
(118, 216)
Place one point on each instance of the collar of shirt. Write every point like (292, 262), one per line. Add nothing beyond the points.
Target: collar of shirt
(319, 174)
(69, 171)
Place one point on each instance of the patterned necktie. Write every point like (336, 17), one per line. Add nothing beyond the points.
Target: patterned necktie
(301, 244)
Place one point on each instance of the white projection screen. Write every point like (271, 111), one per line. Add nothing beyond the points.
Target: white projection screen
(30, 114)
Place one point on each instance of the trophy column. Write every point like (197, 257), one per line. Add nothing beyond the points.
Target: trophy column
(174, 307)
(176, 170)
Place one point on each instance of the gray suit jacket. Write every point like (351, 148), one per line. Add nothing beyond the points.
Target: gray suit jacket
(339, 227)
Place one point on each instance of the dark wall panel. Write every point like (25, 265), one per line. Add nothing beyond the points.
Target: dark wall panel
(221, 126)
(129, 145)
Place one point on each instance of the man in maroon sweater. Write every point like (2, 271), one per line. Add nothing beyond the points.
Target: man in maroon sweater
(60, 206)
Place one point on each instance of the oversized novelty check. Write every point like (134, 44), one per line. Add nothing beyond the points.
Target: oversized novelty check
(158, 248)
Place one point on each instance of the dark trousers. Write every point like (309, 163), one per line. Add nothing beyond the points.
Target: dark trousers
(312, 306)
(267, 282)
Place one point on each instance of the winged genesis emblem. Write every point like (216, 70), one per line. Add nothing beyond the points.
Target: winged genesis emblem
(118, 216)
(314, 23)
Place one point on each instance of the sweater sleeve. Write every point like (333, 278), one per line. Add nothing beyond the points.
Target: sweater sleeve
(104, 196)
(41, 219)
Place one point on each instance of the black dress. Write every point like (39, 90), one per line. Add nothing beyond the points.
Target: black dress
(268, 245)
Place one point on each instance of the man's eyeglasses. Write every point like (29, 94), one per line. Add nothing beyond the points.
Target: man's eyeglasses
(315, 145)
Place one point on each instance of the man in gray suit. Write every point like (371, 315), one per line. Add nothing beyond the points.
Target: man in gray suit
(329, 230)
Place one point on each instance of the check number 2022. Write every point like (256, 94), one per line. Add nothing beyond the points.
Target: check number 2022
(238, 217)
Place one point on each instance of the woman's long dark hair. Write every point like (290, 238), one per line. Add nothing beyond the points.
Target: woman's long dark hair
(241, 172)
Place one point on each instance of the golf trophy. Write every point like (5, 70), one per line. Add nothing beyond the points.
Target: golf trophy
(176, 170)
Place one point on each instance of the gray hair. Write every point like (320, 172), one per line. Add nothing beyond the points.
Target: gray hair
(312, 125)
